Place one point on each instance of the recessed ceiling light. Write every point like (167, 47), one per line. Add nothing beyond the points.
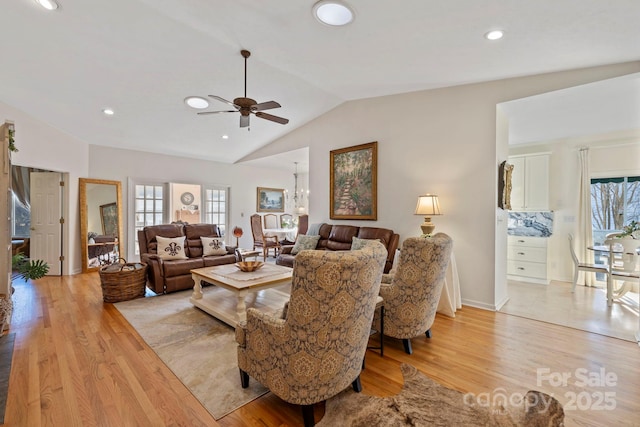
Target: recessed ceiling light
(196, 102)
(225, 136)
(108, 112)
(333, 12)
(48, 4)
(494, 35)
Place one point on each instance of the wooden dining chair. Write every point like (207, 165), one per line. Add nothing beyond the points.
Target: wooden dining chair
(270, 221)
(286, 218)
(260, 240)
(627, 270)
(583, 266)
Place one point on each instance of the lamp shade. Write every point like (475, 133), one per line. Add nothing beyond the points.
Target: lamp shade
(428, 205)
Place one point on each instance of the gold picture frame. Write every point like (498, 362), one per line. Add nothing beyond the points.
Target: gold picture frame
(270, 200)
(353, 177)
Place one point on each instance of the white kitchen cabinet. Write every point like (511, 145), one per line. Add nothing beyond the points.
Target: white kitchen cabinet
(530, 182)
(527, 259)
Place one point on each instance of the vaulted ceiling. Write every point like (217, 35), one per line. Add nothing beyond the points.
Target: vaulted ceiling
(143, 57)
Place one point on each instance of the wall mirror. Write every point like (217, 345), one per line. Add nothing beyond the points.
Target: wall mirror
(100, 222)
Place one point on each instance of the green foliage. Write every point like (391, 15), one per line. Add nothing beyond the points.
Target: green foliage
(28, 270)
(630, 230)
(12, 141)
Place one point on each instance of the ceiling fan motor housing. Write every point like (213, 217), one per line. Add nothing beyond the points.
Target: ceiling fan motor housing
(245, 105)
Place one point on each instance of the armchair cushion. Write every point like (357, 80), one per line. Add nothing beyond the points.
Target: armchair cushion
(305, 242)
(357, 244)
(171, 247)
(212, 246)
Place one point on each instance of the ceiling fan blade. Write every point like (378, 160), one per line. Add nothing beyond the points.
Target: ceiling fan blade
(223, 100)
(244, 121)
(273, 118)
(216, 112)
(265, 106)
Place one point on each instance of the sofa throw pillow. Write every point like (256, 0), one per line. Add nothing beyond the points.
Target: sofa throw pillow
(305, 241)
(171, 247)
(213, 246)
(357, 243)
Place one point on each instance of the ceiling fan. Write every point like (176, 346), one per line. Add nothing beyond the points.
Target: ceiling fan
(247, 106)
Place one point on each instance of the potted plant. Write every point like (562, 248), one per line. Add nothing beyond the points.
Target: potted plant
(28, 270)
(632, 230)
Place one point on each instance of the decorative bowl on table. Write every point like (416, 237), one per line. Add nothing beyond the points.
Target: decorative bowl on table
(249, 265)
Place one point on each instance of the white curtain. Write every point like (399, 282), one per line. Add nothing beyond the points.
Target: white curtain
(585, 227)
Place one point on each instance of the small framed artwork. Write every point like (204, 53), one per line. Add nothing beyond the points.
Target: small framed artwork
(505, 171)
(353, 182)
(270, 199)
(109, 218)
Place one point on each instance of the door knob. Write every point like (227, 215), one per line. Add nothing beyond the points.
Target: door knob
(33, 229)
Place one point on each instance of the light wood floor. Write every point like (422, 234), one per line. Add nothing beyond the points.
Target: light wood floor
(77, 362)
(584, 309)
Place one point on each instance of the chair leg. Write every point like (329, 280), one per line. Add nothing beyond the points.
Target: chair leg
(244, 379)
(357, 385)
(407, 345)
(575, 280)
(307, 416)
(428, 333)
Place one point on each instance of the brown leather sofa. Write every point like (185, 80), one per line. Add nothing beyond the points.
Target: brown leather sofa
(166, 276)
(339, 238)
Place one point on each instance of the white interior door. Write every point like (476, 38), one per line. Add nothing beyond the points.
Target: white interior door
(46, 212)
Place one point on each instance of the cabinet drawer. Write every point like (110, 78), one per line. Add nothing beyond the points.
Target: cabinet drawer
(527, 269)
(539, 242)
(526, 253)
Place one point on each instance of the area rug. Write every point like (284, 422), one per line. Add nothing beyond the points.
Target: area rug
(199, 349)
(424, 402)
(6, 356)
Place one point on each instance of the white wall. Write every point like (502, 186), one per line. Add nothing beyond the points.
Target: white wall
(120, 165)
(45, 147)
(441, 141)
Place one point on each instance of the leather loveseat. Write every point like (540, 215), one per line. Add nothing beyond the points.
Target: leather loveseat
(339, 238)
(166, 276)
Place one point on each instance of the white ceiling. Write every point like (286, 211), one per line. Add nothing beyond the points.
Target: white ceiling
(601, 108)
(143, 57)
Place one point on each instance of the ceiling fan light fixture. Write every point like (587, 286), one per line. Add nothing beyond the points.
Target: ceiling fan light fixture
(333, 12)
(494, 35)
(196, 102)
(48, 4)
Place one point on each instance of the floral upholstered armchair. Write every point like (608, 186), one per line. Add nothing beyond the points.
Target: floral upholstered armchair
(412, 292)
(317, 348)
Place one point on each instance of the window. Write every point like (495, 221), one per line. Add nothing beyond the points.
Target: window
(215, 207)
(20, 218)
(149, 208)
(615, 202)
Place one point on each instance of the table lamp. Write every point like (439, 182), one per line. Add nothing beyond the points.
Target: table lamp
(428, 205)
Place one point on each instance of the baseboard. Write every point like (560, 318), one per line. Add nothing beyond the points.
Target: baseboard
(528, 280)
(479, 304)
(501, 303)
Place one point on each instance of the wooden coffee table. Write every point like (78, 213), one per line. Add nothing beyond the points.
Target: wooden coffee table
(236, 290)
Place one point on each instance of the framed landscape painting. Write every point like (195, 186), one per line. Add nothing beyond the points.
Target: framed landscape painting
(353, 181)
(109, 219)
(270, 200)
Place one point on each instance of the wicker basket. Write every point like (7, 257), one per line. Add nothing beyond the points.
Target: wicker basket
(123, 281)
